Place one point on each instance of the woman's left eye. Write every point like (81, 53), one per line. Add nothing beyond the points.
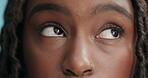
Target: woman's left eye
(110, 33)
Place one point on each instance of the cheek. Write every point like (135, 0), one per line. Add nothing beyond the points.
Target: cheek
(41, 63)
(117, 62)
(42, 60)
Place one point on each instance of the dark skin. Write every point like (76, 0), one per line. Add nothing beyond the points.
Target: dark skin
(79, 39)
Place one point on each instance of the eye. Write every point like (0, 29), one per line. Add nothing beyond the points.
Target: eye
(52, 30)
(110, 33)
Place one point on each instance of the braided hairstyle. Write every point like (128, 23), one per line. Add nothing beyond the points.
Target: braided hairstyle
(11, 56)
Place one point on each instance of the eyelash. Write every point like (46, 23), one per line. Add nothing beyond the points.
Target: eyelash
(117, 27)
(50, 24)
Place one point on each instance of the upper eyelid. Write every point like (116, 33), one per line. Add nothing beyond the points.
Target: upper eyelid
(106, 27)
(45, 25)
(111, 25)
(120, 29)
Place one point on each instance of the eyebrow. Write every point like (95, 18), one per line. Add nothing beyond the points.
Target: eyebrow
(66, 11)
(112, 7)
(50, 7)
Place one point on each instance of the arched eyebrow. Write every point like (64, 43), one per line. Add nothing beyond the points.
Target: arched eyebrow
(50, 7)
(112, 7)
(99, 9)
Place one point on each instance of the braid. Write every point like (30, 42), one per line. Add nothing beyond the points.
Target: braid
(9, 40)
(141, 45)
(147, 37)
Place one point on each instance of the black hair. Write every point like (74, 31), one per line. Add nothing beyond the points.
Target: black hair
(11, 55)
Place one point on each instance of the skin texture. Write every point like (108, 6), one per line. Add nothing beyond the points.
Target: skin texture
(82, 52)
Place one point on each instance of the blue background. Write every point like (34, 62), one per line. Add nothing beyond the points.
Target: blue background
(2, 9)
(3, 4)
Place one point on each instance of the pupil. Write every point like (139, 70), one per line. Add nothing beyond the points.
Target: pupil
(115, 33)
(58, 31)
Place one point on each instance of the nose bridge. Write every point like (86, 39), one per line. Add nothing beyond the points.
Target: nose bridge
(79, 48)
(78, 60)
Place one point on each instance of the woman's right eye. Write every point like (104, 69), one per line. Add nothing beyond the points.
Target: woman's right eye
(52, 31)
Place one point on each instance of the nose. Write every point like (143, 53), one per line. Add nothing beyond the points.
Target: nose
(77, 66)
(77, 62)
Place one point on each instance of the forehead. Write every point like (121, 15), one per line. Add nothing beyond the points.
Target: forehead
(81, 7)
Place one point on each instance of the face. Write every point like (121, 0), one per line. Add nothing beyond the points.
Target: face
(79, 39)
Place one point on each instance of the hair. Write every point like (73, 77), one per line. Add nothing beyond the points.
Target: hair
(11, 55)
